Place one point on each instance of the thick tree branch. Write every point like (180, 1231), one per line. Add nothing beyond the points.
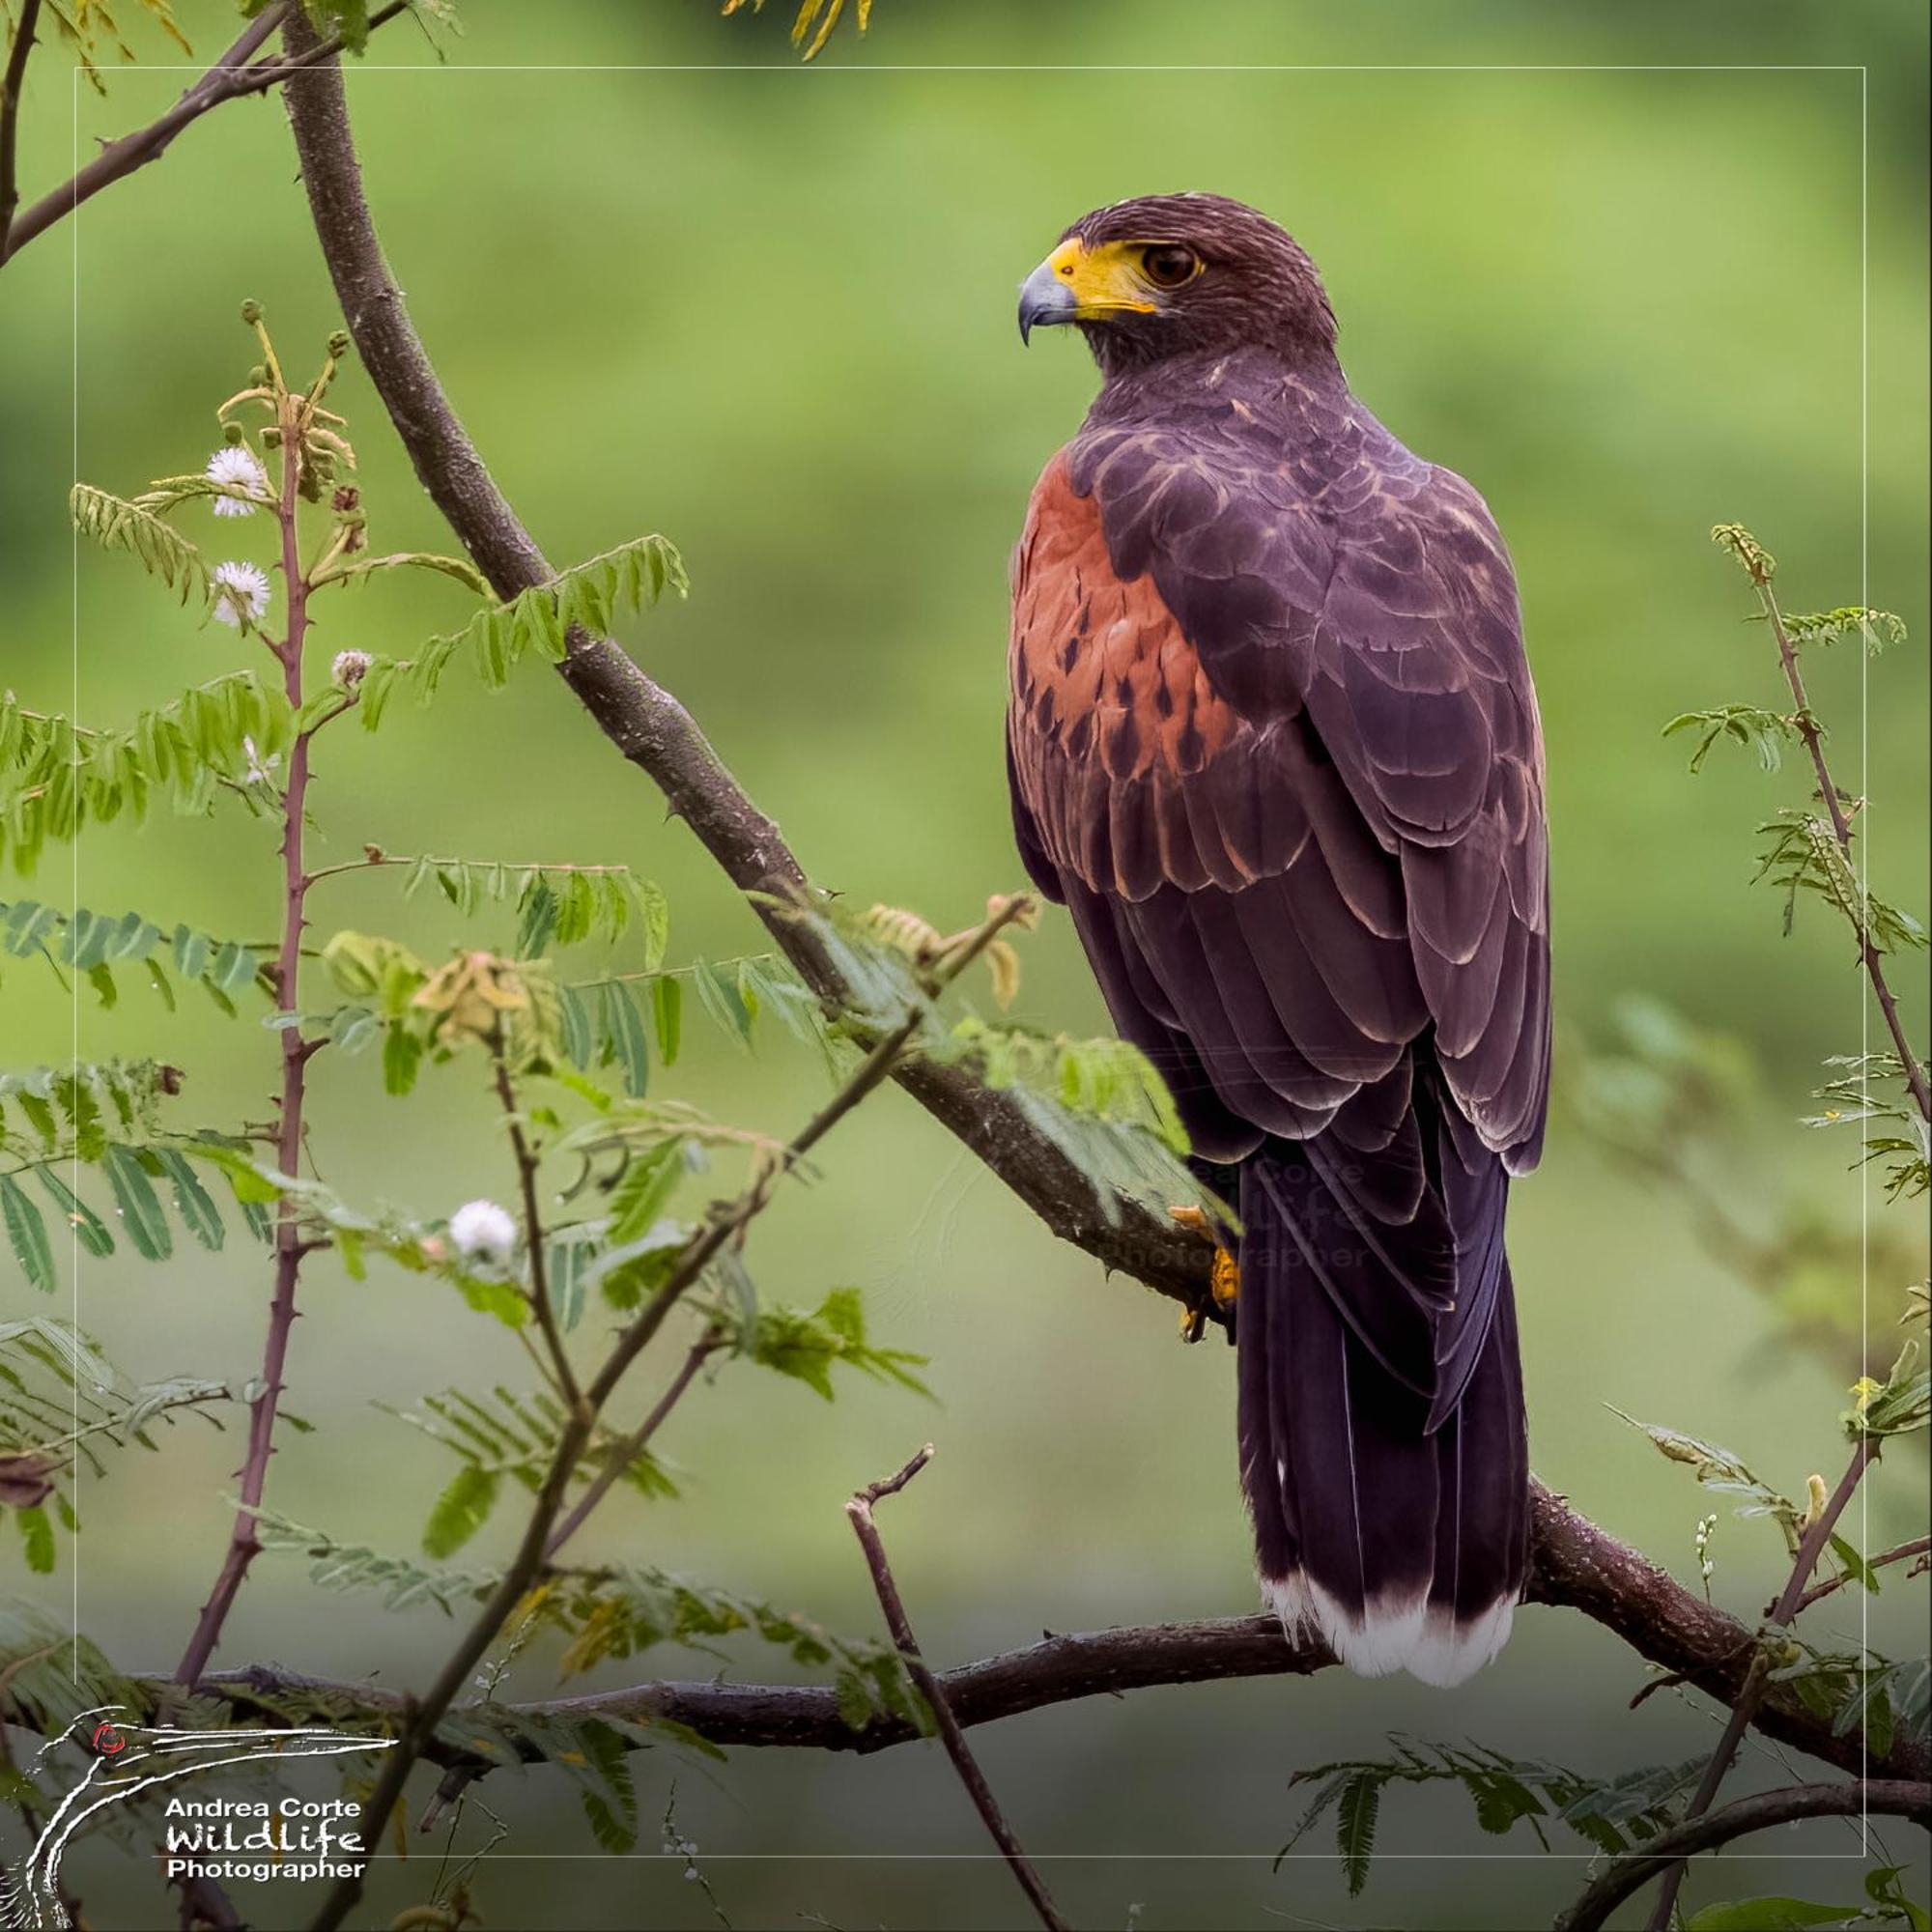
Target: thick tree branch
(1890, 1798)
(1574, 1566)
(950, 1732)
(648, 725)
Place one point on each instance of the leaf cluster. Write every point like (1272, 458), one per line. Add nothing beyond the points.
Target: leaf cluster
(592, 595)
(508, 1435)
(57, 777)
(1801, 854)
(95, 942)
(1613, 1814)
(61, 1403)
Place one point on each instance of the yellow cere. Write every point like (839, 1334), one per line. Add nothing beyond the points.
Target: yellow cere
(1105, 280)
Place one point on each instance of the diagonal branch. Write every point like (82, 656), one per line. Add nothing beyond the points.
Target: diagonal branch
(1757, 1680)
(230, 78)
(1890, 1798)
(648, 725)
(952, 1735)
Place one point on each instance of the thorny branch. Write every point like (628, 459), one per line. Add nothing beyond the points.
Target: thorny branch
(18, 56)
(952, 1735)
(244, 1542)
(1759, 567)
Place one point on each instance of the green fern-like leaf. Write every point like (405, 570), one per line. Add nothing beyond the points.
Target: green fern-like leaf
(592, 595)
(118, 524)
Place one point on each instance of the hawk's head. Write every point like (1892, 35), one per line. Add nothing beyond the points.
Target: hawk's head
(1172, 274)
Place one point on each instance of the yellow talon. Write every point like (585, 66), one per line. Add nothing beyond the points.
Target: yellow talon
(1224, 1280)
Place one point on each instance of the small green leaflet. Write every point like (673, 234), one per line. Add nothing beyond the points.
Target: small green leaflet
(134, 1195)
(87, 1224)
(27, 1233)
(197, 1212)
(668, 1016)
(460, 1511)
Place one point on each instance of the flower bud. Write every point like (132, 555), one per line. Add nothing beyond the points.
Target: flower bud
(251, 311)
(350, 669)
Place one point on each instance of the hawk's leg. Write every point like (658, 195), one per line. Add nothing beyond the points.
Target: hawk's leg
(1224, 1279)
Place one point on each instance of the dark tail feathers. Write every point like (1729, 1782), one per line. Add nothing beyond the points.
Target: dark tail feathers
(1398, 1545)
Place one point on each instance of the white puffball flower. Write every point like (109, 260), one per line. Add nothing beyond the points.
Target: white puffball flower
(483, 1232)
(238, 467)
(350, 669)
(240, 593)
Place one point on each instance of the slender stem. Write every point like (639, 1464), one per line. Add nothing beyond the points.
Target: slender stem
(244, 1539)
(1841, 830)
(1918, 1547)
(230, 78)
(370, 864)
(1757, 1680)
(533, 1236)
(1891, 1797)
(625, 1453)
(10, 116)
(951, 1736)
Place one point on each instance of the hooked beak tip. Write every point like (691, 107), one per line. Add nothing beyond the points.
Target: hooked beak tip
(1044, 300)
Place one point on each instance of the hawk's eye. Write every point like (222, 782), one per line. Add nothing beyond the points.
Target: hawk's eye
(1167, 265)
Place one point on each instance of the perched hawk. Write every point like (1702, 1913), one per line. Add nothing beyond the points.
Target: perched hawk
(1273, 742)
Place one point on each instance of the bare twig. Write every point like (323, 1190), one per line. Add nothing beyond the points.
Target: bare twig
(653, 730)
(859, 1510)
(1887, 1797)
(245, 1540)
(18, 56)
(533, 1234)
(230, 78)
(1759, 567)
(625, 1453)
(1918, 1547)
(1757, 1678)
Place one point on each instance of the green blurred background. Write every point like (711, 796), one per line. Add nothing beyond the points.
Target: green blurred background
(769, 311)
